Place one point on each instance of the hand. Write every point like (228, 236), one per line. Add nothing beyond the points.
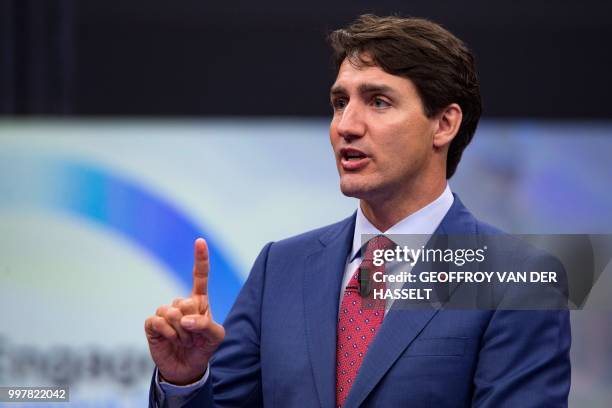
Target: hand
(183, 336)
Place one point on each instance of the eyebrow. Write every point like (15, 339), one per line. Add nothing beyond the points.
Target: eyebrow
(364, 89)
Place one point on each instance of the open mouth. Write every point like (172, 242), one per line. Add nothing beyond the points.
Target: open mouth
(353, 159)
(353, 156)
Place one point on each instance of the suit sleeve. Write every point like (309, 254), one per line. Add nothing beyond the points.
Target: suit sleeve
(235, 373)
(524, 358)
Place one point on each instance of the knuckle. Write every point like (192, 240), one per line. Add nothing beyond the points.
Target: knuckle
(156, 323)
(174, 313)
(172, 335)
(187, 305)
(161, 311)
(162, 327)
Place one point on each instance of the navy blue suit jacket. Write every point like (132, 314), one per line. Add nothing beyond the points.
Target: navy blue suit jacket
(280, 345)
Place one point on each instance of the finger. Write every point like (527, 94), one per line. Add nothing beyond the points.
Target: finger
(161, 311)
(164, 312)
(203, 324)
(186, 306)
(173, 317)
(157, 327)
(201, 266)
(209, 336)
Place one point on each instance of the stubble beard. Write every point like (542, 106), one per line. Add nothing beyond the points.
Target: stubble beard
(360, 187)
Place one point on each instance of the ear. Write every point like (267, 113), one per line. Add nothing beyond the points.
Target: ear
(448, 123)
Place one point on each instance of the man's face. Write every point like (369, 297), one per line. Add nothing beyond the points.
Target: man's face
(381, 138)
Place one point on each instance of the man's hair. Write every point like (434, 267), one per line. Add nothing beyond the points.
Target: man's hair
(438, 64)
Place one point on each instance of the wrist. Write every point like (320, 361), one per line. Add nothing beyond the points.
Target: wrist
(181, 381)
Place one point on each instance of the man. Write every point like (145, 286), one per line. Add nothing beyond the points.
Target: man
(406, 103)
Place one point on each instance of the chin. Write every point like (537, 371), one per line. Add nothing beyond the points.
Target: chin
(353, 188)
(368, 188)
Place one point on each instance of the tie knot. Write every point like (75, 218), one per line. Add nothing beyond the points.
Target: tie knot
(379, 242)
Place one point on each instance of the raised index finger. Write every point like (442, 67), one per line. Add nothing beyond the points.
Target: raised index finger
(201, 265)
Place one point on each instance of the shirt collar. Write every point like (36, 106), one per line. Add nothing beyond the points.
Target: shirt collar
(424, 221)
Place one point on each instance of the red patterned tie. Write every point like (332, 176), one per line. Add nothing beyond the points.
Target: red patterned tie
(357, 324)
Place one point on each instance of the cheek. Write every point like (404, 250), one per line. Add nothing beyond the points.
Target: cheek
(333, 129)
(414, 133)
(394, 140)
(333, 135)
(403, 146)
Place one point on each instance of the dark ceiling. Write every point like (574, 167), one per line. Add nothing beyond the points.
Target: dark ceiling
(547, 59)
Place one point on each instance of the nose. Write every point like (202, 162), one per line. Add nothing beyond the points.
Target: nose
(351, 124)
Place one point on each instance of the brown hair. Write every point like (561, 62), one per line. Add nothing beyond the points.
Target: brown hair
(438, 64)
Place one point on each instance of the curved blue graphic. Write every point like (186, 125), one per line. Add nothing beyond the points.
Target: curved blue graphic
(98, 195)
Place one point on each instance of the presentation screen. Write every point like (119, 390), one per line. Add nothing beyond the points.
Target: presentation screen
(98, 219)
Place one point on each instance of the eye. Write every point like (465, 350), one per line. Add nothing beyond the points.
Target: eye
(339, 103)
(380, 103)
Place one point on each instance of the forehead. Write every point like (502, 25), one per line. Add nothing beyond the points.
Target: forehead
(352, 76)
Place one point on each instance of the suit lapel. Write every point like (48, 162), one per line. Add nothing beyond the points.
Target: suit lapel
(401, 327)
(322, 279)
(459, 227)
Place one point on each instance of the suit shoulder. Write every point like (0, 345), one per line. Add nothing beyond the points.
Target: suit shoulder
(512, 245)
(484, 228)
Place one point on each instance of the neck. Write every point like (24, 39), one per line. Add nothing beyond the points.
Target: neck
(385, 212)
